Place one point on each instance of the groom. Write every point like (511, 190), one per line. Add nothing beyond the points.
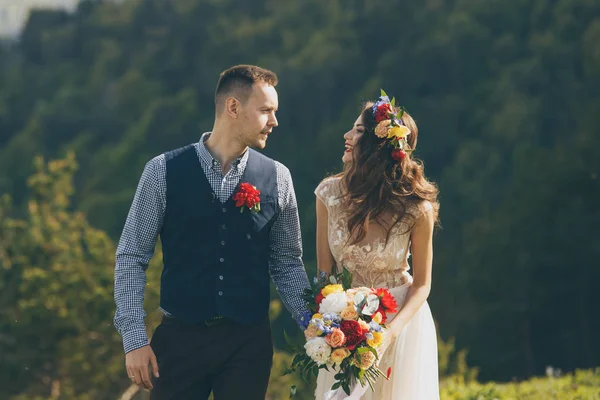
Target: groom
(217, 252)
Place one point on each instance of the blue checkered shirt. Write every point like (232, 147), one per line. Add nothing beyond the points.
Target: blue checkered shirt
(144, 223)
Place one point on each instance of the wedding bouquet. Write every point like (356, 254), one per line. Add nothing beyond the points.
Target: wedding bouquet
(344, 330)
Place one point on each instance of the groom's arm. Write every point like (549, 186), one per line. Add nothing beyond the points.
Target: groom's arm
(285, 262)
(134, 252)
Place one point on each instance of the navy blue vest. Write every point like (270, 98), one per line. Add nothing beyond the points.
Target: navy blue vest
(216, 259)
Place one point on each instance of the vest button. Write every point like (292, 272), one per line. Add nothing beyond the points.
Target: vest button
(220, 293)
(221, 259)
(248, 236)
(222, 243)
(224, 209)
(224, 226)
(221, 277)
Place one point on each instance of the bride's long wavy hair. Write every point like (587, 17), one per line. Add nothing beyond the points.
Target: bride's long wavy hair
(376, 183)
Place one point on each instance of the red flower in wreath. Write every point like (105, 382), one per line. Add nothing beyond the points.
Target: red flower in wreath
(247, 196)
(383, 112)
(398, 154)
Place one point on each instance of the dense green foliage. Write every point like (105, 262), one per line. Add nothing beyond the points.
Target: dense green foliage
(506, 95)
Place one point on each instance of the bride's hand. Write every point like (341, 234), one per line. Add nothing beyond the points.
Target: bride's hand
(395, 328)
(388, 337)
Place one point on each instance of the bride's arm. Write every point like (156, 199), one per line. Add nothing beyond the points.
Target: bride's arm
(324, 258)
(422, 258)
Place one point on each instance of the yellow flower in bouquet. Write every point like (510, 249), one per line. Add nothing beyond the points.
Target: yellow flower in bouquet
(317, 316)
(377, 339)
(377, 317)
(364, 325)
(367, 359)
(327, 290)
(338, 355)
(349, 313)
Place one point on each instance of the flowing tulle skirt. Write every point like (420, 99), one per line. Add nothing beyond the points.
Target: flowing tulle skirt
(412, 356)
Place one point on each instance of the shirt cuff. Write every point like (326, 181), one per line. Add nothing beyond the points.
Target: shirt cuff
(134, 339)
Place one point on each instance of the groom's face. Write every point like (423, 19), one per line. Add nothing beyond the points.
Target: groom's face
(257, 116)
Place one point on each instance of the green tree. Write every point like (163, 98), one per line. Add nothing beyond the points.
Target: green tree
(57, 305)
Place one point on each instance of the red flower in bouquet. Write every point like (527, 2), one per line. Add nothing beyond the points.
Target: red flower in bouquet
(319, 297)
(382, 112)
(387, 302)
(247, 196)
(354, 333)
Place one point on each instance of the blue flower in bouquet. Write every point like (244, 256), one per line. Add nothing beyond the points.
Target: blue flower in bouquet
(331, 317)
(331, 320)
(369, 336)
(320, 324)
(327, 329)
(304, 319)
(375, 327)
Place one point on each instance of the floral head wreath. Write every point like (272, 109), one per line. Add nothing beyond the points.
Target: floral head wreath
(390, 125)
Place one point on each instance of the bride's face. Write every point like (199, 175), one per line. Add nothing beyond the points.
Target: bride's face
(352, 137)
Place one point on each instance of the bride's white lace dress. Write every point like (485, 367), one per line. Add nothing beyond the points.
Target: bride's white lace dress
(413, 354)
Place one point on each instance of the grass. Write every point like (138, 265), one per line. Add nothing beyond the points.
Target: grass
(581, 385)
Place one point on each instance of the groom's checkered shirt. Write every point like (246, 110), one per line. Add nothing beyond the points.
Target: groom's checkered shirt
(144, 223)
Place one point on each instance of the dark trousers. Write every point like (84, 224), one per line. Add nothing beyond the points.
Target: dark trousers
(232, 360)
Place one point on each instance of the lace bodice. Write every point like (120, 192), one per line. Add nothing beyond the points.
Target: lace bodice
(371, 262)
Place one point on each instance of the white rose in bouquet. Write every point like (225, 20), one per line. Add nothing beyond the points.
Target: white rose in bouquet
(318, 349)
(333, 303)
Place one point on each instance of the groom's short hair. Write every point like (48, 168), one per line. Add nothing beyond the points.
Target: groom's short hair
(238, 80)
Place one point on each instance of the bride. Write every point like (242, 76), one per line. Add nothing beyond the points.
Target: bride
(370, 218)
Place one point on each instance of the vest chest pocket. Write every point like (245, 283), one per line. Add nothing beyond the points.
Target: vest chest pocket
(268, 210)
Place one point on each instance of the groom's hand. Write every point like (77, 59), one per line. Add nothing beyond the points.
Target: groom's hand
(137, 362)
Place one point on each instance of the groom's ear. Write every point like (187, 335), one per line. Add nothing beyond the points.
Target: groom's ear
(232, 107)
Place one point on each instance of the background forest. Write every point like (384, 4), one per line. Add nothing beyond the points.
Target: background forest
(507, 98)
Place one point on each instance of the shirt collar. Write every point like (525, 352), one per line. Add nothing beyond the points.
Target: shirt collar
(208, 160)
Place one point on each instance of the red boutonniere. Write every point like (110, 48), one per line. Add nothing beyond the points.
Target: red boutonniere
(247, 196)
